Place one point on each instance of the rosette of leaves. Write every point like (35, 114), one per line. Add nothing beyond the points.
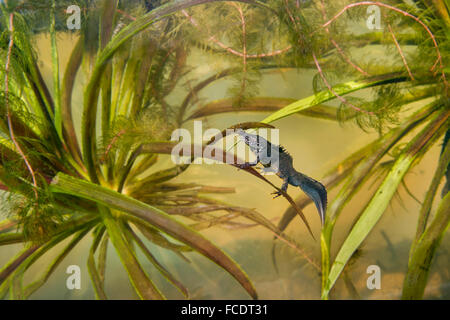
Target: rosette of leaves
(58, 186)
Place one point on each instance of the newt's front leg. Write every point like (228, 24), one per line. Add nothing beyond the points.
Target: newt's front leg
(283, 187)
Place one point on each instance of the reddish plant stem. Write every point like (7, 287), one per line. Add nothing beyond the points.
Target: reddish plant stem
(298, 249)
(400, 51)
(111, 144)
(291, 17)
(126, 14)
(269, 54)
(336, 45)
(347, 59)
(211, 38)
(233, 51)
(369, 3)
(8, 111)
(244, 46)
(334, 92)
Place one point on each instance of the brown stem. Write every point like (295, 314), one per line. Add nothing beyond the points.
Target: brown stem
(400, 51)
(244, 47)
(369, 3)
(194, 91)
(233, 51)
(111, 144)
(126, 14)
(68, 83)
(336, 45)
(343, 100)
(17, 262)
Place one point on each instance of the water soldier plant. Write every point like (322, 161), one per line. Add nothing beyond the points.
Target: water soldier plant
(61, 188)
(66, 180)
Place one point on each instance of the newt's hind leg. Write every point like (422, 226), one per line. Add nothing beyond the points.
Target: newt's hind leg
(283, 187)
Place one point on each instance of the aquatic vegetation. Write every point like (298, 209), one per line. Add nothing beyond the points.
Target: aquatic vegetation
(425, 76)
(61, 188)
(66, 180)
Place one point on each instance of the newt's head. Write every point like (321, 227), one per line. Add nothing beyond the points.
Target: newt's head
(255, 142)
(247, 137)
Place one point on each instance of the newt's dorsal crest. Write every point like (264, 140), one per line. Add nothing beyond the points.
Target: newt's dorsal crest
(283, 150)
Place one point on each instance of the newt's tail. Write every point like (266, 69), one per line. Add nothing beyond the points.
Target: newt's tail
(317, 192)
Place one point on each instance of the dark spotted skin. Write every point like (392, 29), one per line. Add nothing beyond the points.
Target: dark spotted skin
(276, 159)
(152, 4)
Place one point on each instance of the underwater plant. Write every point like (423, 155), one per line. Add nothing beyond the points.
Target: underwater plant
(65, 180)
(321, 36)
(421, 74)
